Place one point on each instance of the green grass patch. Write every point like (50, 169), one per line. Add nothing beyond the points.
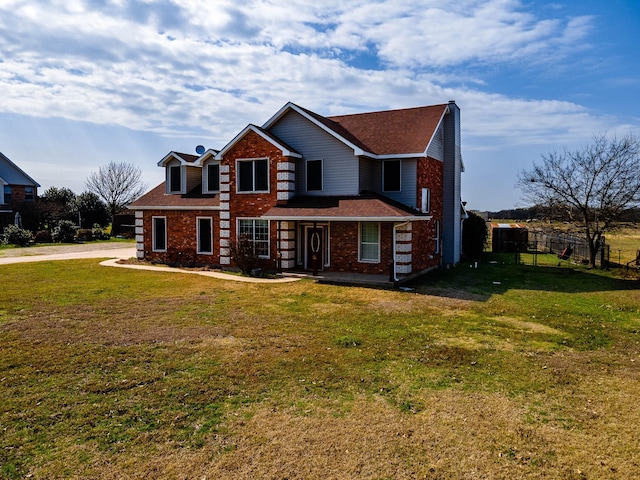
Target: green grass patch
(188, 376)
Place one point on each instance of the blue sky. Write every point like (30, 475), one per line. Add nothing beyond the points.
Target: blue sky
(85, 82)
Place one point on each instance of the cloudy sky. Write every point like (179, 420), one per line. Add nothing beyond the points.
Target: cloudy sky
(84, 82)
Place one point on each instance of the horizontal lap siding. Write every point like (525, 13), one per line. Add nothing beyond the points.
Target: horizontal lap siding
(340, 166)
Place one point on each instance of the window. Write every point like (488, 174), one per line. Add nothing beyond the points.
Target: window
(314, 175)
(205, 235)
(159, 234)
(257, 232)
(29, 194)
(8, 196)
(426, 200)
(369, 242)
(175, 179)
(253, 175)
(213, 177)
(391, 176)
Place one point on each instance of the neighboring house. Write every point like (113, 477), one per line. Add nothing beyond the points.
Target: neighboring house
(375, 193)
(16, 189)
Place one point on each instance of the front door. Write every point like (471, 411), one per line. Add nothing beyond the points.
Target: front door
(314, 248)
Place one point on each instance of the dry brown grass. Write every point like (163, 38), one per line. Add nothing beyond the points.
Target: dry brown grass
(199, 378)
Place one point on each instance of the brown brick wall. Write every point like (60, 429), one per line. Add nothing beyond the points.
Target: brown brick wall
(344, 249)
(182, 241)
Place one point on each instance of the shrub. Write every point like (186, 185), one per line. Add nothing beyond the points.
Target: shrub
(98, 233)
(43, 236)
(15, 235)
(65, 232)
(84, 235)
(243, 254)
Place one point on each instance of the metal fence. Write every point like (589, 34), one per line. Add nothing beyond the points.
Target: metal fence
(567, 246)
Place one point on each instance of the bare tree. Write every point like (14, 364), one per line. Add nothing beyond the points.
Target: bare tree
(118, 184)
(593, 185)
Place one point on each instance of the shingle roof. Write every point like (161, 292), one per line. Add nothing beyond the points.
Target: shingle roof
(365, 206)
(390, 132)
(158, 199)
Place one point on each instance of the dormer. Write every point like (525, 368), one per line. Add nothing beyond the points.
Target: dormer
(182, 173)
(210, 171)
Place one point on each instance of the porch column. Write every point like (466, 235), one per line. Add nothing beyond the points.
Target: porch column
(403, 249)
(225, 216)
(287, 244)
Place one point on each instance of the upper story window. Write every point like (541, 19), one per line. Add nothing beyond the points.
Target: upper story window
(391, 176)
(252, 175)
(8, 194)
(314, 175)
(29, 194)
(175, 179)
(213, 177)
(425, 206)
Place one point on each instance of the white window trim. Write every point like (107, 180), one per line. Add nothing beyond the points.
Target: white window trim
(306, 185)
(254, 231)
(205, 180)
(367, 260)
(426, 200)
(268, 190)
(169, 179)
(399, 175)
(153, 234)
(199, 251)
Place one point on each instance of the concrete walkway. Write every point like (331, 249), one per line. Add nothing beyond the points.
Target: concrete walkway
(114, 252)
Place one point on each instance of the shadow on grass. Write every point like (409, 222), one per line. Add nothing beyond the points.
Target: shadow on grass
(497, 274)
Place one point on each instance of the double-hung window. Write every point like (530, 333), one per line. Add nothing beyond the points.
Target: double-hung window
(314, 175)
(391, 175)
(159, 234)
(175, 179)
(205, 235)
(8, 194)
(252, 175)
(426, 200)
(29, 194)
(369, 250)
(213, 177)
(257, 233)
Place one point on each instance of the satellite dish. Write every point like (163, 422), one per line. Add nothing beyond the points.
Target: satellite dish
(200, 149)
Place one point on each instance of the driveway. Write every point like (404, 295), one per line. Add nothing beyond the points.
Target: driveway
(67, 252)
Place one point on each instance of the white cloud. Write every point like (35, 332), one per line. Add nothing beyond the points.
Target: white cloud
(201, 67)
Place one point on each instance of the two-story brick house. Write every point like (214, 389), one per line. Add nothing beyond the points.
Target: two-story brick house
(16, 189)
(371, 193)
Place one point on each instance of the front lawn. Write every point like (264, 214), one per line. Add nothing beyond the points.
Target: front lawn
(504, 371)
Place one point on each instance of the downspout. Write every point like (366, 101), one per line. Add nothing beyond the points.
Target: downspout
(395, 262)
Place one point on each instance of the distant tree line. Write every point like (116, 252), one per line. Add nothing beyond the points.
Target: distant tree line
(630, 215)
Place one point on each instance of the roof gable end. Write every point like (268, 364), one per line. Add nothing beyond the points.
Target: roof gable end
(11, 174)
(286, 150)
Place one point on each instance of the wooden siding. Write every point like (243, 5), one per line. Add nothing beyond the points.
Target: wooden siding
(408, 174)
(436, 148)
(340, 166)
(193, 177)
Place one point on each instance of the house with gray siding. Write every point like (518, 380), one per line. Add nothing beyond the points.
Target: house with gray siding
(376, 192)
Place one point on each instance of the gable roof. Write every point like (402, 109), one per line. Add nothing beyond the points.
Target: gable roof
(183, 158)
(287, 151)
(11, 174)
(389, 133)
